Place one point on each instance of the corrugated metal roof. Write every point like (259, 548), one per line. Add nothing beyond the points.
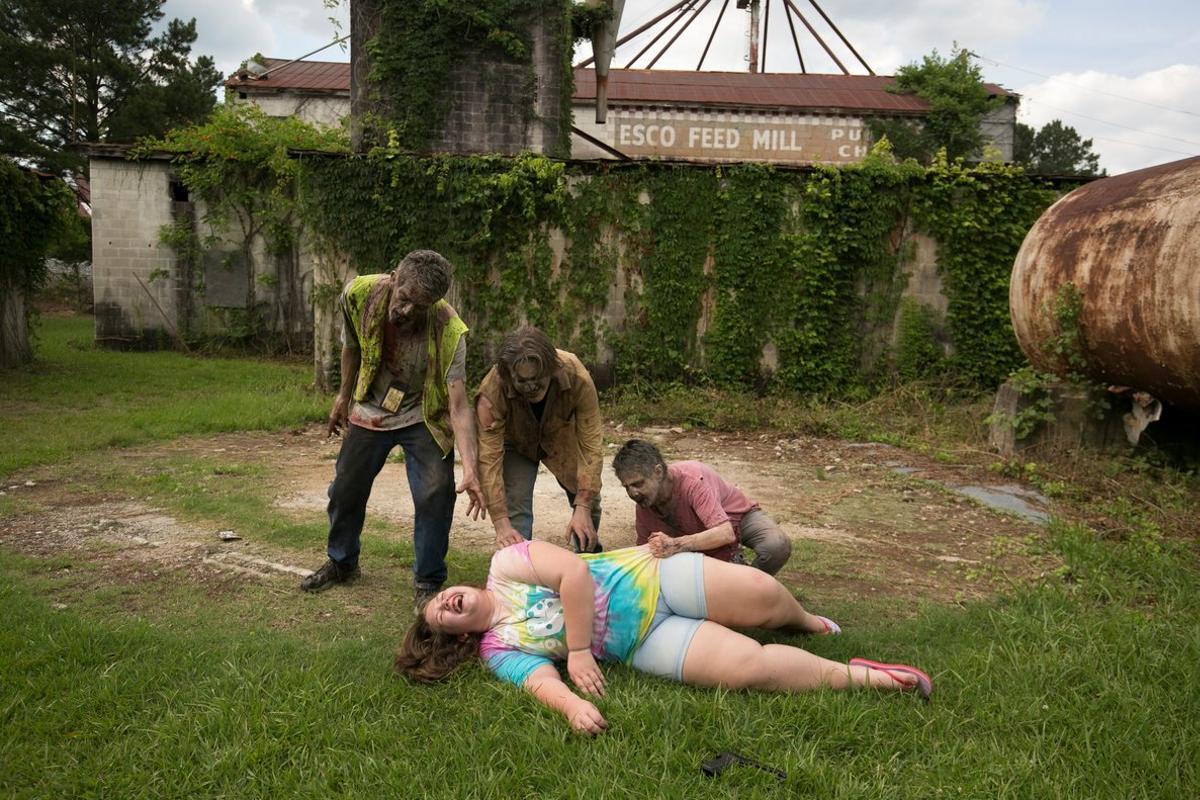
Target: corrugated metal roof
(741, 89)
(784, 90)
(301, 76)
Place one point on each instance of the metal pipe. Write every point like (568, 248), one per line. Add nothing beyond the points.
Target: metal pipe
(765, 32)
(788, 13)
(603, 48)
(678, 33)
(817, 36)
(638, 31)
(602, 145)
(306, 55)
(845, 41)
(753, 36)
(660, 34)
(724, 6)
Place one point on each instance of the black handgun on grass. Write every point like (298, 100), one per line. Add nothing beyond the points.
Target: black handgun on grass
(722, 761)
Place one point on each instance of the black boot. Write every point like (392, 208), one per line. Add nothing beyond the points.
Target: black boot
(330, 573)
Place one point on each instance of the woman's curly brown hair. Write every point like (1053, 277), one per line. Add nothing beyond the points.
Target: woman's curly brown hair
(427, 655)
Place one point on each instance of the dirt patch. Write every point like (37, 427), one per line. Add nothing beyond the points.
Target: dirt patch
(860, 527)
(129, 539)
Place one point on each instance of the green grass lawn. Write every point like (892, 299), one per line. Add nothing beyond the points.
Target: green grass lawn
(1085, 684)
(1082, 690)
(78, 397)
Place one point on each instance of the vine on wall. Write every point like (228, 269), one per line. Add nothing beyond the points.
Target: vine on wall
(979, 216)
(809, 261)
(419, 42)
(751, 259)
(237, 164)
(669, 248)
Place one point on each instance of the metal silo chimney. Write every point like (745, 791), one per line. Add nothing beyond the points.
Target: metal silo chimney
(604, 44)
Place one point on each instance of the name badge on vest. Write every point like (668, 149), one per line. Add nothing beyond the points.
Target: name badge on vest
(393, 399)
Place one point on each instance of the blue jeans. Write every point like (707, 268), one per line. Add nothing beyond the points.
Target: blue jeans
(519, 476)
(430, 479)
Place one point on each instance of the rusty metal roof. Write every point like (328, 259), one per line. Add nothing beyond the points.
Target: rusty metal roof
(781, 90)
(741, 89)
(300, 76)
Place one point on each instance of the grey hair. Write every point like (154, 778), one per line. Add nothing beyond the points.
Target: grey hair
(526, 343)
(430, 272)
(638, 456)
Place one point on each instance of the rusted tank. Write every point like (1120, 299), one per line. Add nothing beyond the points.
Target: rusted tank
(1130, 247)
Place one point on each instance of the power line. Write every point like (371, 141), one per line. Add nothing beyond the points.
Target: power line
(1106, 122)
(1139, 144)
(1084, 88)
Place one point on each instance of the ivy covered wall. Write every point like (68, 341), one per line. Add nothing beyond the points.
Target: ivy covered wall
(742, 275)
(488, 76)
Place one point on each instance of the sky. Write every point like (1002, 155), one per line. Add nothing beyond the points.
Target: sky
(1126, 75)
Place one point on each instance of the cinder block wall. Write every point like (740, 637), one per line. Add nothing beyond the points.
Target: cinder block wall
(131, 202)
(316, 109)
(498, 107)
(495, 105)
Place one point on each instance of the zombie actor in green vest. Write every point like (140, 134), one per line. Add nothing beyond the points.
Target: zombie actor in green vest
(403, 373)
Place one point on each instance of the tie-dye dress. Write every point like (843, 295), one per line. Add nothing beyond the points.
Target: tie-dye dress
(531, 631)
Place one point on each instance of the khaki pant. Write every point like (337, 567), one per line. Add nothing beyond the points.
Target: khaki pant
(770, 544)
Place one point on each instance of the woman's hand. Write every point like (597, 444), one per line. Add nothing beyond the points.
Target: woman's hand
(586, 718)
(584, 672)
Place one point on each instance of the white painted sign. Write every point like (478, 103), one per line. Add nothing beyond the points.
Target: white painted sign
(805, 140)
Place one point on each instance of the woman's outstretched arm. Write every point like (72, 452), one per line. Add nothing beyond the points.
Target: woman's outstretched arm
(567, 574)
(545, 684)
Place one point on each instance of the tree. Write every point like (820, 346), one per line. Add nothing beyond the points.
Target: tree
(958, 102)
(92, 70)
(33, 210)
(1055, 149)
(1023, 144)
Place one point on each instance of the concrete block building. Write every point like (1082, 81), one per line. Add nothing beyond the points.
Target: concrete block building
(315, 91)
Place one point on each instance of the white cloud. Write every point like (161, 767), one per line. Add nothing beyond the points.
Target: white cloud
(1128, 135)
(890, 35)
(233, 30)
(226, 30)
(310, 17)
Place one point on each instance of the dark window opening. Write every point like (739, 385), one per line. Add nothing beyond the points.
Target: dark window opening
(179, 192)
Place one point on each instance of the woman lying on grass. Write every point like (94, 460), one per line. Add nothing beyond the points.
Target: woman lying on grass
(668, 617)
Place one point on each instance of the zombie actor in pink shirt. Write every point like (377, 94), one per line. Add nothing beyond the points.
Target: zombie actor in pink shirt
(688, 507)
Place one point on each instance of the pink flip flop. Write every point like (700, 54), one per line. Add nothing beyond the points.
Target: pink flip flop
(924, 684)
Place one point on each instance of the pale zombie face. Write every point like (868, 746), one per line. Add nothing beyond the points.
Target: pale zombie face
(408, 305)
(459, 609)
(529, 382)
(646, 490)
